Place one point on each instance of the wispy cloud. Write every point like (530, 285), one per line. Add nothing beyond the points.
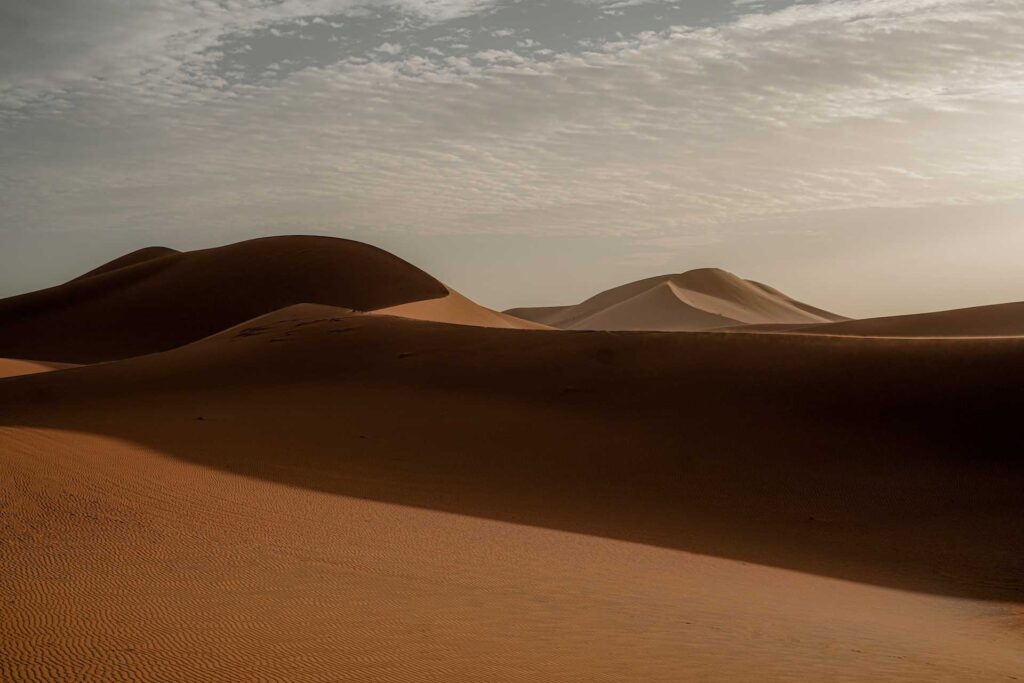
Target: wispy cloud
(815, 106)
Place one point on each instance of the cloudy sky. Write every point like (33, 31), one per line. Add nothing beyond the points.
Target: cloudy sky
(865, 155)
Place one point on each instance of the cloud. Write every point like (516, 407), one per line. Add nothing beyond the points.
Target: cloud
(50, 50)
(818, 106)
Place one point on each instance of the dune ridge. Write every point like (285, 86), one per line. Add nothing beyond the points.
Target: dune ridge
(458, 310)
(706, 298)
(129, 259)
(996, 320)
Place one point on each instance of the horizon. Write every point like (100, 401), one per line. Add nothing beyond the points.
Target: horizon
(450, 268)
(861, 154)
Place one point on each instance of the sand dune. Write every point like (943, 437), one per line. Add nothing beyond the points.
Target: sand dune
(158, 299)
(320, 495)
(702, 299)
(457, 309)
(999, 320)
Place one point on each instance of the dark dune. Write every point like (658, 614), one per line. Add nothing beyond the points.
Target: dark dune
(157, 299)
(891, 462)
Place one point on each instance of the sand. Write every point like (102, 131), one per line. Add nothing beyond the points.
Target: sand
(998, 320)
(317, 495)
(458, 310)
(703, 299)
(12, 367)
(160, 299)
(130, 259)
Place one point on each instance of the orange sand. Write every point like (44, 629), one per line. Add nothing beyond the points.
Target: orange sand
(316, 495)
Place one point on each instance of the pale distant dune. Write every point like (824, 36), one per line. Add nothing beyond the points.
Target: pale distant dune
(696, 300)
(322, 495)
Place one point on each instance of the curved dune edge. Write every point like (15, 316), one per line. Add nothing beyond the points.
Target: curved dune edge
(129, 259)
(456, 309)
(997, 320)
(15, 367)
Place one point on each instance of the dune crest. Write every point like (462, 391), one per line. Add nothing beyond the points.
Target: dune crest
(997, 320)
(707, 298)
(130, 259)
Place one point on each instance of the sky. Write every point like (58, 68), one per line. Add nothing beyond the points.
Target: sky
(866, 156)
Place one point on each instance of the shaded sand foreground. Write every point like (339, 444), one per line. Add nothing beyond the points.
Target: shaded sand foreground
(320, 496)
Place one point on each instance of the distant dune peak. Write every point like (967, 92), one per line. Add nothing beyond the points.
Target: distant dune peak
(700, 299)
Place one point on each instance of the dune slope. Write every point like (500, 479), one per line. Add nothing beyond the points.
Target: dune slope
(997, 320)
(324, 495)
(458, 310)
(12, 367)
(707, 298)
(157, 300)
(130, 259)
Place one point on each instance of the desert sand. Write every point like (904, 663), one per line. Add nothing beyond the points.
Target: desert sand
(458, 310)
(12, 367)
(997, 320)
(702, 299)
(322, 495)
